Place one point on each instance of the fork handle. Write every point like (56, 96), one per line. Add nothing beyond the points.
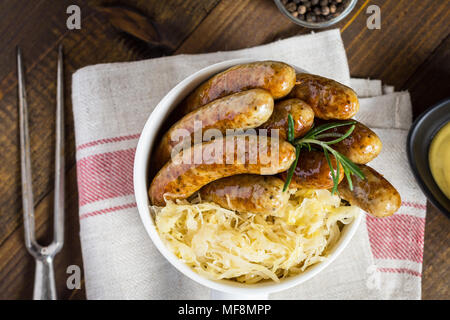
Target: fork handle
(44, 280)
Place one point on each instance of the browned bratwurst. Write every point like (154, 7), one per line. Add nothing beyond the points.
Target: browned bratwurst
(328, 98)
(313, 172)
(276, 77)
(374, 194)
(185, 173)
(301, 112)
(247, 193)
(361, 147)
(242, 110)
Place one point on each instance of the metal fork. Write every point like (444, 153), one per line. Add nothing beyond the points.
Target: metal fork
(44, 279)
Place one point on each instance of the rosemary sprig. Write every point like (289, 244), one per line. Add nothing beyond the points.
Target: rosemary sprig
(314, 136)
(291, 128)
(292, 168)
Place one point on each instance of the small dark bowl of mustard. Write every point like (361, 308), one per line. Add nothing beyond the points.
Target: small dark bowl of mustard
(428, 148)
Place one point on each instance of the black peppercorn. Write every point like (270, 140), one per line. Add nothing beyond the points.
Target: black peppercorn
(333, 8)
(291, 7)
(301, 9)
(317, 11)
(325, 11)
(311, 17)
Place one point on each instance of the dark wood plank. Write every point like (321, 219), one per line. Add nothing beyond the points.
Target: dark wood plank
(431, 81)
(239, 24)
(174, 20)
(436, 272)
(409, 34)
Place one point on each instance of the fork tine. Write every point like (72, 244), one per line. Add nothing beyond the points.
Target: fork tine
(58, 205)
(25, 160)
(44, 278)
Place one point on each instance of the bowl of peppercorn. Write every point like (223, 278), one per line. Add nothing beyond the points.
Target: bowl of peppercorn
(316, 13)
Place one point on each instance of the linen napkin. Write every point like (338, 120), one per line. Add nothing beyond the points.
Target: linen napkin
(111, 103)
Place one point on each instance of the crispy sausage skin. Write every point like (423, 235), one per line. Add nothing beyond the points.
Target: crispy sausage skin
(301, 112)
(276, 77)
(186, 173)
(361, 147)
(329, 99)
(247, 193)
(374, 194)
(313, 172)
(243, 110)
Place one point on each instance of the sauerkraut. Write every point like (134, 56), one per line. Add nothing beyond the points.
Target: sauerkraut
(223, 244)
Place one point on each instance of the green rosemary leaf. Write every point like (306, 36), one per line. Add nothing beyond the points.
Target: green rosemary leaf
(338, 165)
(327, 126)
(349, 132)
(353, 167)
(333, 176)
(328, 135)
(348, 177)
(292, 169)
(291, 128)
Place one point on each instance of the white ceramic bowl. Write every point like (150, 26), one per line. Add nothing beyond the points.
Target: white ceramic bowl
(141, 185)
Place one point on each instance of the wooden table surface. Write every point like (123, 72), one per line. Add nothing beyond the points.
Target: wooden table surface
(411, 51)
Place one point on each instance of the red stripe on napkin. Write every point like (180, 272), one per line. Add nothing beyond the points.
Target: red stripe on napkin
(108, 210)
(414, 205)
(107, 140)
(400, 270)
(104, 176)
(397, 237)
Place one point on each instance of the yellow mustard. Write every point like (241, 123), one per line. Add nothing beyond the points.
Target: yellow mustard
(439, 159)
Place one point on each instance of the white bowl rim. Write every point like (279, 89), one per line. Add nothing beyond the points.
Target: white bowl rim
(140, 178)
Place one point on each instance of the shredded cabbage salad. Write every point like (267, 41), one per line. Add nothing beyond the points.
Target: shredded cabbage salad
(223, 244)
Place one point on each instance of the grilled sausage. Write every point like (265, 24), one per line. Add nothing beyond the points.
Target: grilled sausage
(276, 77)
(313, 171)
(242, 110)
(186, 173)
(302, 115)
(247, 193)
(329, 99)
(361, 147)
(374, 194)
